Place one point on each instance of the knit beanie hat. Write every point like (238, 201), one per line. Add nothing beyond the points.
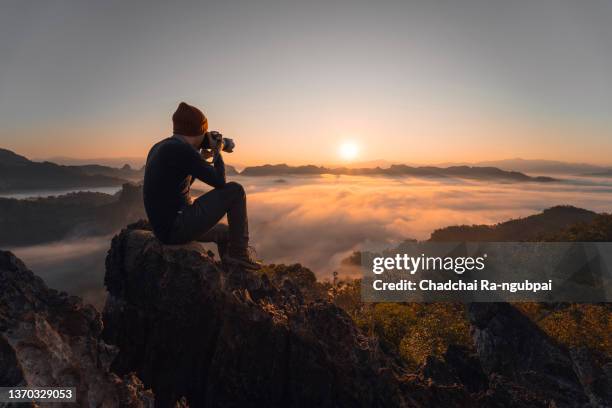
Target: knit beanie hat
(189, 121)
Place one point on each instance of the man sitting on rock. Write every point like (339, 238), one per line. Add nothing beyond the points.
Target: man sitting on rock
(172, 166)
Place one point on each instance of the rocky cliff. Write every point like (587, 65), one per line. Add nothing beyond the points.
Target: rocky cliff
(52, 339)
(17, 173)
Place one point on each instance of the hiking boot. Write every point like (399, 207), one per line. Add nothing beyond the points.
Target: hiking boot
(242, 258)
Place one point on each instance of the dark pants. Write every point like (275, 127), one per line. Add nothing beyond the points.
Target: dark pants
(199, 221)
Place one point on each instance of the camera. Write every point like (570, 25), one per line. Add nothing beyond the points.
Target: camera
(213, 140)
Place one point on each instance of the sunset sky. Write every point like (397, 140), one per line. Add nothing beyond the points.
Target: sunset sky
(312, 81)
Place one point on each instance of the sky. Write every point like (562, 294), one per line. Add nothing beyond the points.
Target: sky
(301, 82)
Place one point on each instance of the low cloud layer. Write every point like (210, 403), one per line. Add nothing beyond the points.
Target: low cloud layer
(73, 266)
(318, 221)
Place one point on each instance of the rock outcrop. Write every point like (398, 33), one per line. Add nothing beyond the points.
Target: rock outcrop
(190, 329)
(52, 339)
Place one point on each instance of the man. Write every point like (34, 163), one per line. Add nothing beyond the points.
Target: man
(172, 166)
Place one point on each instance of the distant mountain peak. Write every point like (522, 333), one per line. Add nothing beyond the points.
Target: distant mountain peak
(463, 171)
(569, 209)
(8, 157)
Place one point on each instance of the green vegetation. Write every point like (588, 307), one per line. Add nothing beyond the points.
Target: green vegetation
(413, 330)
(574, 324)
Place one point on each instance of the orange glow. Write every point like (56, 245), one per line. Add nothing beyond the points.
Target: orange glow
(349, 151)
(423, 137)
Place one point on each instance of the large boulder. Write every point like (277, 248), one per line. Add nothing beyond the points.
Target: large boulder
(50, 339)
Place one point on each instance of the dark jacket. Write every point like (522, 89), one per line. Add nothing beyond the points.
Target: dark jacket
(171, 167)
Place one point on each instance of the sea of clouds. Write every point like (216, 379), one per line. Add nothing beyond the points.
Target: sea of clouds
(318, 221)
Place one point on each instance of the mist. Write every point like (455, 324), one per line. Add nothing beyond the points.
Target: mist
(73, 266)
(318, 221)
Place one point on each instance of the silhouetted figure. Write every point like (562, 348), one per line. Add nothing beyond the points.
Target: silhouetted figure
(172, 166)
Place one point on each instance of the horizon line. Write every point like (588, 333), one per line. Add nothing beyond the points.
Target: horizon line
(387, 163)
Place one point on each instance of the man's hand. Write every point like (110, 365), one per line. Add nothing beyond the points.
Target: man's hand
(206, 154)
(215, 140)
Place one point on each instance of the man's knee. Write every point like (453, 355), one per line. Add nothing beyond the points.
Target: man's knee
(235, 188)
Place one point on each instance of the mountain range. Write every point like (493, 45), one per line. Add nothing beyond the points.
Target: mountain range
(478, 173)
(17, 173)
(544, 166)
(125, 172)
(529, 166)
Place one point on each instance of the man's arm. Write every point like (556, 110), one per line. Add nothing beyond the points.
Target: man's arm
(213, 175)
(205, 154)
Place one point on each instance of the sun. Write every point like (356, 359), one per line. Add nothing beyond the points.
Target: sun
(349, 151)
